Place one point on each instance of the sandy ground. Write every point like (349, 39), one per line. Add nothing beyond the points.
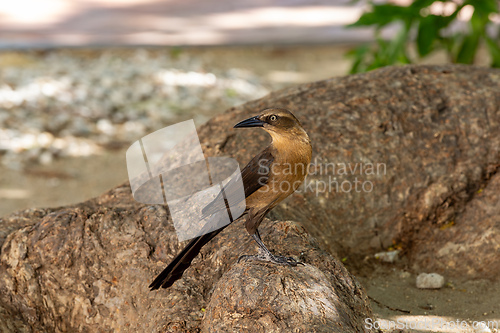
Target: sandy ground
(395, 299)
(391, 287)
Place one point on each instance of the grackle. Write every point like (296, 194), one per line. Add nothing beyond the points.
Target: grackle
(268, 178)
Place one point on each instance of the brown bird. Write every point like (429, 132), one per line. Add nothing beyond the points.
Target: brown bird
(268, 178)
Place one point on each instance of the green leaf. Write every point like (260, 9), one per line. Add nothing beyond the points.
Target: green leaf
(359, 54)
(396, 49)
(478, 22)
(484, 7)
(494, 48)
(381, 15)
(368, 18)
(419, 4)
(461, 47)
(428, 31)
(468, 49)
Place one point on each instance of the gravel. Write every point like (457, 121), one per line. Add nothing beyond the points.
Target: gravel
(62, 105)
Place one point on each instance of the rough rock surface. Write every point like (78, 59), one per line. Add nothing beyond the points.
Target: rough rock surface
(436, 129)
(319, 296)
(87, 268)
(470, 246)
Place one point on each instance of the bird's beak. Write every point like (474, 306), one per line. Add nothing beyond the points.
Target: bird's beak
(250, 122)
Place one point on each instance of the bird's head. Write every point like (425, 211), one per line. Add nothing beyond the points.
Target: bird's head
(280, 123)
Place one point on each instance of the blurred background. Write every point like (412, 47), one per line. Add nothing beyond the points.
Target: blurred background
(80, 80)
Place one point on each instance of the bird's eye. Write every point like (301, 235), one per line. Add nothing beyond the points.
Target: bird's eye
(273, 118)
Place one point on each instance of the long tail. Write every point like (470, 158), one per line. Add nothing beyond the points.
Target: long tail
(176, 268)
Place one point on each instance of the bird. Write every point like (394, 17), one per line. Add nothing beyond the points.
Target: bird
(268, 179)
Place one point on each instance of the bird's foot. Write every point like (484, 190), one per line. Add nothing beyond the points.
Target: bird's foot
(290, 261)
(279, 260)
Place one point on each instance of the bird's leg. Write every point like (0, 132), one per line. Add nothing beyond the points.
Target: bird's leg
(266, 255)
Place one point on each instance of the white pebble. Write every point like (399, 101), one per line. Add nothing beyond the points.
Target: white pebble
(45, 158)
(105, 126)
(389, 256)
(430, 281)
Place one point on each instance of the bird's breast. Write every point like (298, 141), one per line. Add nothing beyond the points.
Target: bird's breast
(285, 177)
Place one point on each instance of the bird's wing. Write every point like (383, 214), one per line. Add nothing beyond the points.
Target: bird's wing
(254, 175)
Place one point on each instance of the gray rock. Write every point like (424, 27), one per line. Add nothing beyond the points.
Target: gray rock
(430, 281)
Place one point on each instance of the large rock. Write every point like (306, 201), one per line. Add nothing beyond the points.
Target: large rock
(87, 268)
(319, 296)
(432, 134)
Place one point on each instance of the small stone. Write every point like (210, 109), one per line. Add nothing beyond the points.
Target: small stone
(430, 281)
(79, 127)
(105, 126)
(46, 158)
(481, 327)
(389, 256)
(45, 139)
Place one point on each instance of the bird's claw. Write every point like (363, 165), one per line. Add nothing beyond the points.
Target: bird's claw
(290, 261)
(280, 260)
